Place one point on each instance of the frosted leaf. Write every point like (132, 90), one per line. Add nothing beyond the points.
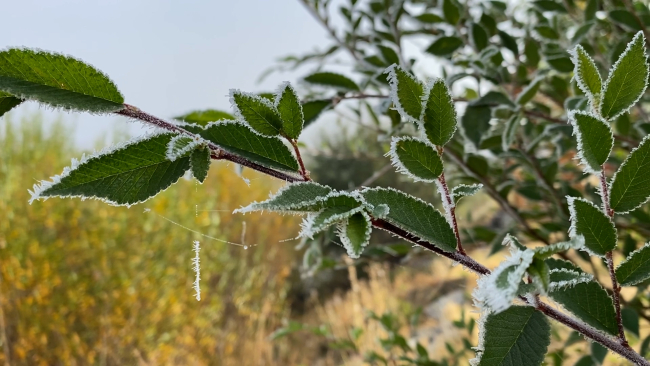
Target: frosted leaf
(123, 174)
(635, 268)
(586, 74)
(589, 221)
(562, 278)
(497, 290)
(405, 92)
(292, 197)
(464, 190)
(595, 139)
(577, 243)
(415, 158)
(181, 145)
(355, 233)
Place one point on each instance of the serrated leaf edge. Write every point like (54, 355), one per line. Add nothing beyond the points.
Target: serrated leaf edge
(581, 277)
(393, 82)
(456, 191)
(425, 97)
(488, 296)
(347, 244)
(609, 186)
(43, 185)
(108, 79)
(628, 258)
(255, 206)
(578, 134)
(572, 218)
(576, 74)
(257, 98)
(172, 154)
(397, 163)
(613, 69)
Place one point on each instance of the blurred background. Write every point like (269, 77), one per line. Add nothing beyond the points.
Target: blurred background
(83, 283)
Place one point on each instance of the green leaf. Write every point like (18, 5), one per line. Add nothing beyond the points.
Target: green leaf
(429, 18)
(417, 159)
(598, 352)
(450, 11)
(125, 175)
(509, 42)
(312, 109)
(8, 102)
(595, 139)
(591, 9)
(517, 336)
(337, 207)
(439, 116)
(586, 74)
(627, 80)
(510, 132)
(629, 188)
(200, 163)
(589, 221)
(258, 112)
(388, 54)
(464, 190)
(581, 32)
(475, 123)
(565, 278)
(406, 92)
(528, 93)
(337, 81)
(478, 36)
(624, 18)
(549, 5)
(57, 80)
(630, 320)
(180, 146)
(589, 302)
(355, 234)
(237, 138)
(204, 117)
(413, 215)
(288, 105)
(444, 46)
(635, 268)
(547, 32)
(492, 98)
(295, 197)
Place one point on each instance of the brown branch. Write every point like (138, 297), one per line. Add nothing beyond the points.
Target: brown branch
(616, 288)
(303, 171)
(218, 153)
(585, 329)
(450, 206)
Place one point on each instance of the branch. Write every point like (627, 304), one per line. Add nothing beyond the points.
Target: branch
(616, 293)
(615, 345)
(450, 207)
(218, 153)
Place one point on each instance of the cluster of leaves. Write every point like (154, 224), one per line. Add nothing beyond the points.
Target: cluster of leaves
(516, 74)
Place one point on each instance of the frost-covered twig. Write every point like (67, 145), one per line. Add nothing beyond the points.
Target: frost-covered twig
(196, 267)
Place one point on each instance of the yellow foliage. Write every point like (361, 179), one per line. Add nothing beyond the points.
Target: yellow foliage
(85, 283)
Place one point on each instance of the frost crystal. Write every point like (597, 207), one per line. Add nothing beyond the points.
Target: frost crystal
(570, 278)
(392, 80)
(397, 163)
(196, 266)
(180, 145)
(496, 292)
(578, 134)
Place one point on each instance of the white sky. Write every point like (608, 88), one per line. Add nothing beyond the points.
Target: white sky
(167, 57)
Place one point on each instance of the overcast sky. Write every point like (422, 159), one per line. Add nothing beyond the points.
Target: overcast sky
(167, 57)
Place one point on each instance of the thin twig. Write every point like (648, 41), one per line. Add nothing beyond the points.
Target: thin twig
(329, 29)
(450, 206)
(303, 171)
(218, 153)
(616, 293)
